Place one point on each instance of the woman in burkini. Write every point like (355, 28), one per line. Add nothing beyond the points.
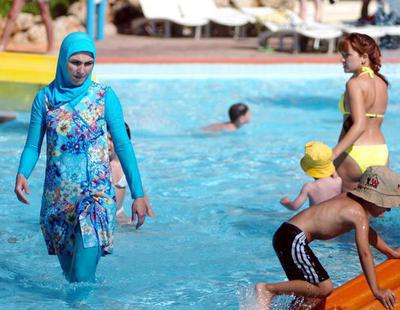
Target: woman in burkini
(363, 105)
(77, 216)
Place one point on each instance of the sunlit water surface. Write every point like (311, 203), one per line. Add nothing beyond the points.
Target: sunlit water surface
(216, 195)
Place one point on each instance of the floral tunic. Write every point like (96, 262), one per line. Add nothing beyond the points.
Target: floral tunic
(77, 189)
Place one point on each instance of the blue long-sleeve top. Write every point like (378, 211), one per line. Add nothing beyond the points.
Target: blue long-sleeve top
(115, 121)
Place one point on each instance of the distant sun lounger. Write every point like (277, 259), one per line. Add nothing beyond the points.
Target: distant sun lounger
(283, 23)
(207, 9)
(374, 31)
(168, 11)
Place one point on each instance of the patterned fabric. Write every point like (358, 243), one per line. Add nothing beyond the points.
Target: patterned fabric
(77, 189)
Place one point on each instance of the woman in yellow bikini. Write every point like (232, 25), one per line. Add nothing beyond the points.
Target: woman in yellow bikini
(363, 105)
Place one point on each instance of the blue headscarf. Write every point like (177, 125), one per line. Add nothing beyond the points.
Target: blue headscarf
(61, 90)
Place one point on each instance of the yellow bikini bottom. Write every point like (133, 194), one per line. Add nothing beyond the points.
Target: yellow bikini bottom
(369, 155)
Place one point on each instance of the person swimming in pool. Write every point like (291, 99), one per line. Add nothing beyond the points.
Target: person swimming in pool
(363, 105)
(239, 114)
(317, 163)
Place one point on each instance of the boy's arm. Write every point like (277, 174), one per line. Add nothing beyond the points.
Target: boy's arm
(377, 242)
(385, 296)
(300, 199)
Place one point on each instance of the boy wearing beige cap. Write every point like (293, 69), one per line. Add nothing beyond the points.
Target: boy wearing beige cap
(317, 163)
(377, 192)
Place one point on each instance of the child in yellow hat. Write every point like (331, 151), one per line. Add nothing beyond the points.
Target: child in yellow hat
(317, 163)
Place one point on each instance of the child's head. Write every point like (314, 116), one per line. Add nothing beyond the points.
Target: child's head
(317, 160)
(128, 130)
(111, 150)
(239, 114)
(379, 186)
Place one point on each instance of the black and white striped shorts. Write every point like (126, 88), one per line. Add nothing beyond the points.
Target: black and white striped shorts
(296, 257)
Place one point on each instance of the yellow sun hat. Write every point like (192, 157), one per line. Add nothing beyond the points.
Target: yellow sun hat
(317, 161)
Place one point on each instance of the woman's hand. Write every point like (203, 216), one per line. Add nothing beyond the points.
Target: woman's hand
(21, 185)
(139, 207)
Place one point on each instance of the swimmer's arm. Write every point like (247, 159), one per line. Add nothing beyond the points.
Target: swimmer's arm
(34, 140)
(300, 199)
(357, 109)
(212, 127)
(377, 242)
(218, 127)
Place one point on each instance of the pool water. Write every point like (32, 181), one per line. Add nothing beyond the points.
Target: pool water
(216, 195)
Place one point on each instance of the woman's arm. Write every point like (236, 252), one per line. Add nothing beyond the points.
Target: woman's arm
(31, 152)
(357, 108)
(37, 129)
(122, 144)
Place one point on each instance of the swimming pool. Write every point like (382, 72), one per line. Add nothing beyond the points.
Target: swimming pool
(216, 196)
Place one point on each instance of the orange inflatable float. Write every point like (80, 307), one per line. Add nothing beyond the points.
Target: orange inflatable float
(356, 294)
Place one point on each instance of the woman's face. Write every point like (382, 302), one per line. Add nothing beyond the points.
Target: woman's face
(79, 67)
(351, 60)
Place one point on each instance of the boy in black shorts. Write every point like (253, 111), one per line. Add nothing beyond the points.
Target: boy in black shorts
(377, 192)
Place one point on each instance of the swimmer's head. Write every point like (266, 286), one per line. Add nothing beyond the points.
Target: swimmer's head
(239, 114)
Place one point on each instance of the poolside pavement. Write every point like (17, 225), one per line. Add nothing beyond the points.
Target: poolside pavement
(136, 49)
(145, 49)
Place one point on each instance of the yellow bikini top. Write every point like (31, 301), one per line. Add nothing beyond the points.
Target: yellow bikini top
(342, 108)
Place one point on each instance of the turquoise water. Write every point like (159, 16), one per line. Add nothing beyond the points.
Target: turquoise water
(216, 196)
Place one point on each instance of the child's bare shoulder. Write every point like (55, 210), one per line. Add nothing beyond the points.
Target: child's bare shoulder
(309, 186)
(350, 209)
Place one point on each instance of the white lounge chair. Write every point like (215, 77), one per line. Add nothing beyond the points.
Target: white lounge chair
(388, 19)
(283, 22)
(375, 32)
(168, 11)
(392, 30)
(207, 9)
